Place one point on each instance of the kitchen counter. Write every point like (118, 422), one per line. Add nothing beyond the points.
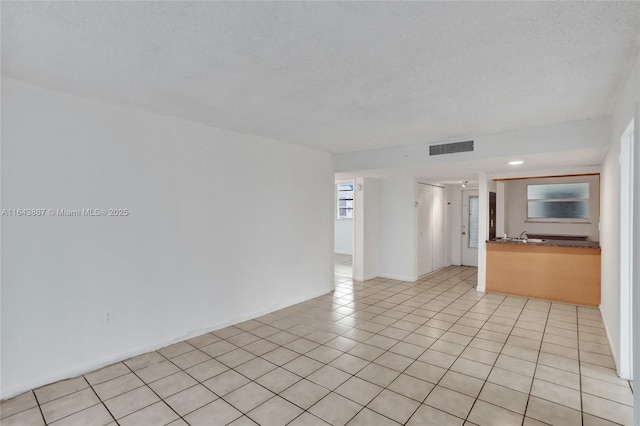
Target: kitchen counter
(548, 243)
(556, 270)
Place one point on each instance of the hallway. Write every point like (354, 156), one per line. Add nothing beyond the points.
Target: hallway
(343, 266)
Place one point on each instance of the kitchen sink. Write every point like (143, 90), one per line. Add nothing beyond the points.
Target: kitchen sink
(523, 240)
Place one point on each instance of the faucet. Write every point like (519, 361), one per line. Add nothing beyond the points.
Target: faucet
(523, 236)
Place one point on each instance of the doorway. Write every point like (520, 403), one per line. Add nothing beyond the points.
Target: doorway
(469, 238)
(344, 228)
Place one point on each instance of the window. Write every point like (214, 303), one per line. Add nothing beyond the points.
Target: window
(345, 201)
(474, 211)
(564, 202)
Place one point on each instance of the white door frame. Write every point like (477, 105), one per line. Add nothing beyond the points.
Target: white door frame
(465, 220)
(625, 367)
(636, 270)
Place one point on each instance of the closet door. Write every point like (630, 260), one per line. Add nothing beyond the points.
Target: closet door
(438, 246)
(425, 229)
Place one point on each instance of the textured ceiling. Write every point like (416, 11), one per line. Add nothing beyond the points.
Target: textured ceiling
(339, 76)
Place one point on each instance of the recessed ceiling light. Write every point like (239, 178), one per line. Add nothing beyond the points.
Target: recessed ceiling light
(515, 163)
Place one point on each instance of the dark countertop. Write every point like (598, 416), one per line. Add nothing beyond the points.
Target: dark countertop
(548, 243)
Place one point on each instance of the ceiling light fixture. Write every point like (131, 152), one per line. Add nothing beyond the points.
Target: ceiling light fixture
(515, 163)
(464, 184)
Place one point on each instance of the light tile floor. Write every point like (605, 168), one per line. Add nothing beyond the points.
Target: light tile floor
(381, 352)
(343, 266)
(343, 259)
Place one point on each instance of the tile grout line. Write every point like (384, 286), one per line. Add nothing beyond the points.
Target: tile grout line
(442, 309)
(425, 350)
(492, 365)
(533, 377)
(44, 420)
(354, 375)
(441, 291)
(416, 359)
(373, 362)
(322, 344)
(498, 357)
(582, 413)
(229, 368)
(151, 389)
(457, 357)
(579, 366)
(100, 399)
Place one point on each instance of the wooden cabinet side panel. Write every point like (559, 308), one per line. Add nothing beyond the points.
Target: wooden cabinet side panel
(567, 277)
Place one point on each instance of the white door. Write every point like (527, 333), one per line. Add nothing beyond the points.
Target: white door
(469, 243)
(438, 228)
(425, 229)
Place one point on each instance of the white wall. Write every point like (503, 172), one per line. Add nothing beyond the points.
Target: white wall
(222, 227)
(587, 135)
(365, 263)
(397, 229)
(636, 247)
(344, 236)
(624, 111)
(484, 186)
(516, 209)
(372, 226)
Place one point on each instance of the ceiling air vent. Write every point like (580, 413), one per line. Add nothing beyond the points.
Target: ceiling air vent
(451, 148)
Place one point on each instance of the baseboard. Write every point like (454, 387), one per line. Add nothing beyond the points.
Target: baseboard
(366, 278)
(614, 355)
(398, 277)
(9, 392)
